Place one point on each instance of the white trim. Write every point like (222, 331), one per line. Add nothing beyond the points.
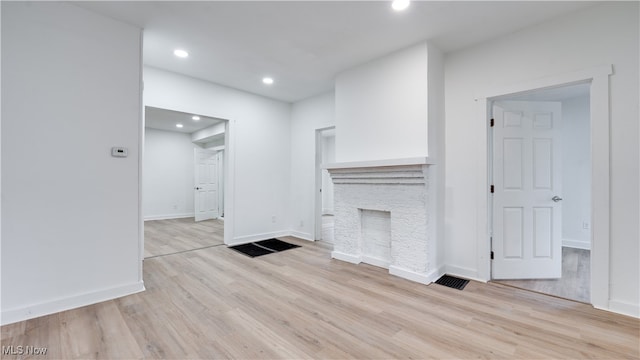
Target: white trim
(376, 261)
(462, 272)
(301, 235)
(600, 168)
(426, 279)
(550, 81)
(346, 257)
(141, 136)
(624, 308)
(229, 181)
(51, 307)
(258, 237)
(169, 216)
(576, 244)
(381, 163)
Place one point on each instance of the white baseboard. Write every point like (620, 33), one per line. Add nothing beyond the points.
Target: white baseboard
(624, 308)
(346, 257)
(301, 235)
(51, 307)
(169, 216)
(576, 244)
(375, 261)
(425, 279)
(258, 237)
(462, 272)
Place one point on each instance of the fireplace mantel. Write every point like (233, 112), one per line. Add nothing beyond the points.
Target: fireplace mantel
(397, 194)
(380, 163)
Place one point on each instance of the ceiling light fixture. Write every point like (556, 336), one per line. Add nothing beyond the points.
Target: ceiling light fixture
(179, 126)
(267, 80)
(399, 5)
(195, 117)
(180, 53)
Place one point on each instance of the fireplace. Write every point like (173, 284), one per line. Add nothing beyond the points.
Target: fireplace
(384, 216)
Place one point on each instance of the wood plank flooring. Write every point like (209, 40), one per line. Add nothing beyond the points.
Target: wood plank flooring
(575, 282)
(300, 304)
(163, 237)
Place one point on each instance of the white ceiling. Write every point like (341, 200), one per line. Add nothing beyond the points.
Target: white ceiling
(303, 45)
(162, 119)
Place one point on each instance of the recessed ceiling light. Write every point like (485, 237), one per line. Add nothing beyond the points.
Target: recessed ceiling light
(180, 53)
(399, 5)
(196, 118)
(267, 80)
(179, 126)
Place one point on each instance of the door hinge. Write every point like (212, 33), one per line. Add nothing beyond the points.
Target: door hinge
(492, 189)
(492, 255)
(492, 123)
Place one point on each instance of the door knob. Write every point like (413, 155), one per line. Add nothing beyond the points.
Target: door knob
(198, 188)
(556, 198)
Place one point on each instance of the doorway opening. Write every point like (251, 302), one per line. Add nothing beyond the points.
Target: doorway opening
(540, 208)
(325, 154)
(183, 181)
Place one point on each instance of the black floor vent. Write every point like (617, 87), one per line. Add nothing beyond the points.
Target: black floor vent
(452, 282)
(263, 247)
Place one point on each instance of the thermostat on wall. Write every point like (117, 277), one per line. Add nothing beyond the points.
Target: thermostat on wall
(117, 151)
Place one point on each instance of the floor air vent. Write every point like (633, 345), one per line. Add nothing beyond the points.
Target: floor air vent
(452, 282)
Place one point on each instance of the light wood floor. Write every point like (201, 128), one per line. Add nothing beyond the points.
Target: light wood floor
(162, 237)
(217, 303)
(575, 281)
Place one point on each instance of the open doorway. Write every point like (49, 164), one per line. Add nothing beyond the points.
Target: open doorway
(324, 212)
(540, 166)
(183, 182)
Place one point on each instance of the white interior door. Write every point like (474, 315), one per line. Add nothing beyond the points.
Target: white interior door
(527, 216)
(206, 185)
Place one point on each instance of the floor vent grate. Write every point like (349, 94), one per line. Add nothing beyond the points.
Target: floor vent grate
(452, 282)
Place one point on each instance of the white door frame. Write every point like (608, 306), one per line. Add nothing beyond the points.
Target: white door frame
(317, 214)
(600, 170)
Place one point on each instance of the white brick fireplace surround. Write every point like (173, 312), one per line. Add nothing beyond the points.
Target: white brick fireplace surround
(384, 216)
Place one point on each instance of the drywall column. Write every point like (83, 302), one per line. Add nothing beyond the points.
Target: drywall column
(71, 212)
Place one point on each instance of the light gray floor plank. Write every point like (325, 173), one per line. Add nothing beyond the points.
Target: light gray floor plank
(299, 303)
(163, 237)
(574, 284)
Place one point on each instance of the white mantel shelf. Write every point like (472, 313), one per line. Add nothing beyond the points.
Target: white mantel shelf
(380, 163)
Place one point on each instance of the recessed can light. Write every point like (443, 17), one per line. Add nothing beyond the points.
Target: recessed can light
(195, 118)
(399, 5)
(267, 80)
(179, 126)
(180, 53)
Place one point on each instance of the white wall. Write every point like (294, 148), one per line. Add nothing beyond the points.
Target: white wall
(568, 44)
(576, 172)
(168, 175)
(381, 108)
(70, 212)
(306, 116)
(258, 148)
